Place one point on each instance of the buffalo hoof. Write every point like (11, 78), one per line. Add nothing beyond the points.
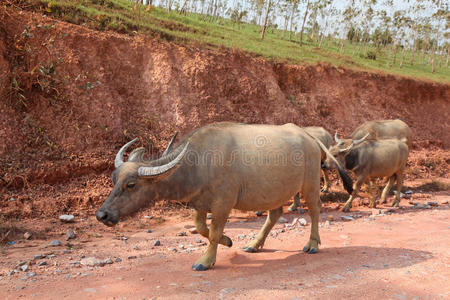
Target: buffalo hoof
(259, 213)
(292, 208)
(229, 242)
(250, 249)
(395, 204)
(310, 251)
(199, 267)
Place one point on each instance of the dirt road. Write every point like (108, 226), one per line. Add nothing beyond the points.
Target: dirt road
(381, 254)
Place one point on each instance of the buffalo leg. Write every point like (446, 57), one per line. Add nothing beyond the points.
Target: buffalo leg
(326, 181)
(372, 201)
(356, 187)
(399, 176)
(219, 219)
(200, 224)
(258, 242)
(296, 203)
(387, 188)
(312, 198)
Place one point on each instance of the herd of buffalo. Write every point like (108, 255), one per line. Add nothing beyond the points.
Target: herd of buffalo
(225, 166)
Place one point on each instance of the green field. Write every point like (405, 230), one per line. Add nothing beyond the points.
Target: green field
(129, 18)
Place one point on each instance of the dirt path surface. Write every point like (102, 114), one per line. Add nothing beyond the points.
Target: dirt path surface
(382, 253)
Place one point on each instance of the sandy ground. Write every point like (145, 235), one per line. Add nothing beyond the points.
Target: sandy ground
(383, 253)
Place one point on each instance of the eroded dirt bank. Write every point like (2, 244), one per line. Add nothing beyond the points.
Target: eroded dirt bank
(72, 96)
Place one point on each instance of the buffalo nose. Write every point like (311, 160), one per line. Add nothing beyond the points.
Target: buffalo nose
(101, 215)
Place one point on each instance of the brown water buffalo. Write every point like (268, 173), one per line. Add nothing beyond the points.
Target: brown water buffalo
(220, 167)
(382, 129)
(326, 139)
(370, 159)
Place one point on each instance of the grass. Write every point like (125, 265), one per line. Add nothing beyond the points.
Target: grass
(127, 17)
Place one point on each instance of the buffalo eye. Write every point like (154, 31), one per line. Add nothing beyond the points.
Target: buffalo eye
(131, 185)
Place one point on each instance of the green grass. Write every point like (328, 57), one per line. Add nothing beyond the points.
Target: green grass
(126, 17)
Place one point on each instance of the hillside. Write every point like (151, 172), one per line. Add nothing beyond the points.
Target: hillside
(71, 96)
(191, 29)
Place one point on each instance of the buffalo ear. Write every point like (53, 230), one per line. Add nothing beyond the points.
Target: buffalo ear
(351, 159)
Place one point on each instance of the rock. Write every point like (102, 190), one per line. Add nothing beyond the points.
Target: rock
(70, 234)
(376, 212)
(42, 263)
(21, 263)
(38, 256)
(327, 223)
(241, 236)
(198, 241)
(24, 268)
(193, 230)
(148, 217)
(136, 247)
(408, 192)
(108, 261)
(302, 221)
(282, 220)
(347, 218)
(75, 264)
(50, 256)
(12, 272)
(157, 243)
(91, 262)
(67, 218)
(118, 259)
(55, 243)
(149, 231)
(132, 257)
(172, 249)
(432, 203)
(182, 233)
(31, 274)
(189, 226)
(90, 290)
(181, 246)
(27, 235)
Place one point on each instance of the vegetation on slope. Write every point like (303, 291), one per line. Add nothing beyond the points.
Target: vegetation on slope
(213, 31)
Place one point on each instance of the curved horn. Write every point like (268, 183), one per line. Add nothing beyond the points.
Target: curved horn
(356, 142)
(119, 156)
(170, 144)
(336, 139)
(137, 155)
(155, 171)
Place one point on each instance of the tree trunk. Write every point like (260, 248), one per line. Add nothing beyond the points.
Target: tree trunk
(343, 46)
(394, 58)
(183, 7)
(433, 50)
(403, 57)
(263, 31)
(446, 62)
(411, 61)
(285, 26)
(303, 23)
(290, 22)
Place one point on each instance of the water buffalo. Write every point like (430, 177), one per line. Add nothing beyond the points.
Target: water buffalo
(382, 129)
(223, 166)
(326, 139)
(370, 159)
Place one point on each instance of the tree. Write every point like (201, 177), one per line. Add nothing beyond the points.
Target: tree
(268, 9)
